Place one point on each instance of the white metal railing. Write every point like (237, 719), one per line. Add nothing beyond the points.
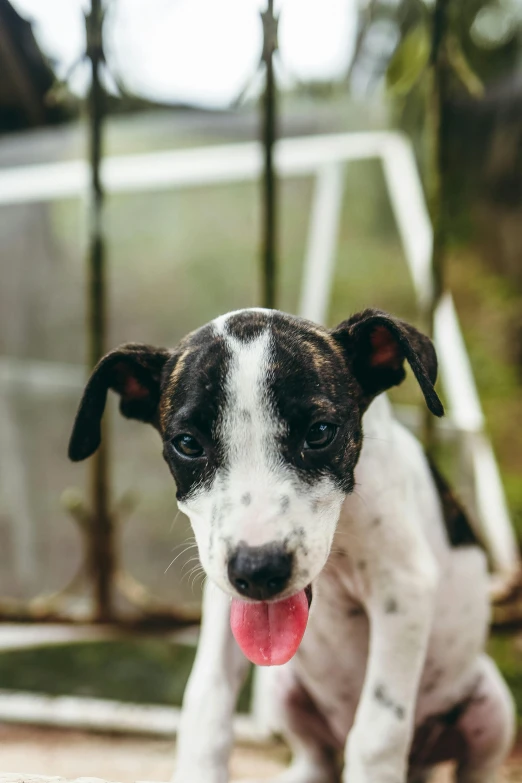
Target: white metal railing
(324, 157)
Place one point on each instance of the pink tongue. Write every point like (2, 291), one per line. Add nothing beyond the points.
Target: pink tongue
(269, 633)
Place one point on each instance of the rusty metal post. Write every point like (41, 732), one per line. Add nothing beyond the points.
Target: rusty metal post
(436, 118)
(101, 538)
(269, 132)
(436, 185)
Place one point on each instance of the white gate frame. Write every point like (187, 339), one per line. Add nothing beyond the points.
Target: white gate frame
(324, 157)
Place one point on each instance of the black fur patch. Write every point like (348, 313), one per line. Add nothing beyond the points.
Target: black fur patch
(378, 345)
(458, 527)
(246, 326)
(195, 398)
(309, 383)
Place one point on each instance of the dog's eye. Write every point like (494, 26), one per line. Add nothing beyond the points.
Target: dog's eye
(187, 446)
(320, 435)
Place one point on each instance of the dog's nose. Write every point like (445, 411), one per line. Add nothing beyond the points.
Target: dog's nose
(260, 572)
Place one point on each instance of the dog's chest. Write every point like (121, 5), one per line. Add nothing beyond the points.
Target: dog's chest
(331, 661)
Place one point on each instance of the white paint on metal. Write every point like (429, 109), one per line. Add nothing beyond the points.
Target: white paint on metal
(301, 157)
(23, 636)
(199, 166)
(455, 368)
(33, 376)
(89, 714)
(321, 246)
(492, 507)
(15, 495)
(409, 208)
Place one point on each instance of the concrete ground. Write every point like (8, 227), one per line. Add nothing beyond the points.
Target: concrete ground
(72, 754)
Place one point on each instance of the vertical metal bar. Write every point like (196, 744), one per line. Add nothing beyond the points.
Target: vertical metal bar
(269, 119)
(435, 132)
(321, 247)
(101, 539)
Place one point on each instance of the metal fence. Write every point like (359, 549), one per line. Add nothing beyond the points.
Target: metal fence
(324, 158)
(96, 515)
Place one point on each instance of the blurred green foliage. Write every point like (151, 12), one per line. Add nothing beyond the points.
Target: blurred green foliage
(140, 671)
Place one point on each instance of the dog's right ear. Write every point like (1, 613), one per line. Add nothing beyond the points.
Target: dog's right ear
(377, 345)
(134, 372)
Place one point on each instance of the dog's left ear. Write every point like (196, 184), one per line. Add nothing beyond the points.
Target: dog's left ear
(376, 345)
(134, 372)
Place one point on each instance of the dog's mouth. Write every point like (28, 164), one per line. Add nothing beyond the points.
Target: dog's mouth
(269, 632)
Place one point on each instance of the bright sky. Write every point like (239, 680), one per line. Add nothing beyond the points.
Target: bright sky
(198, 51)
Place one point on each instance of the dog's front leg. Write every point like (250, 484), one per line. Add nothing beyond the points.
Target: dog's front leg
(400, 607)
(205, 732)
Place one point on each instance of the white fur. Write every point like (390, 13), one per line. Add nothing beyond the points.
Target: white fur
(384, 548)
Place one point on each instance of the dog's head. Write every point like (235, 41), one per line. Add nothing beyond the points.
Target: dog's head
(260, 416)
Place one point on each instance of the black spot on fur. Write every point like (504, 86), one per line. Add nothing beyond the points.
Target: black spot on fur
(284, 504)
(355, 611)
(245, 415)
(384, 699)
(430, 686)
(246, 499)
(391, 606)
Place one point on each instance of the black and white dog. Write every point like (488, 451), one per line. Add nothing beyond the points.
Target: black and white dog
(262, 417)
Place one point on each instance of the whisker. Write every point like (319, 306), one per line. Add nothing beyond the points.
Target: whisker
(196, 574)
(191, 540)
(183, 552)
(188, 562)
(204, 577)
(174, 520)
(188, 574)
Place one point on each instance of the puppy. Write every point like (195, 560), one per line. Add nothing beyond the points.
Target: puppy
(302, 523)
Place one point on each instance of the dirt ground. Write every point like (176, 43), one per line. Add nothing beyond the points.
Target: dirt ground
(73, 754)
